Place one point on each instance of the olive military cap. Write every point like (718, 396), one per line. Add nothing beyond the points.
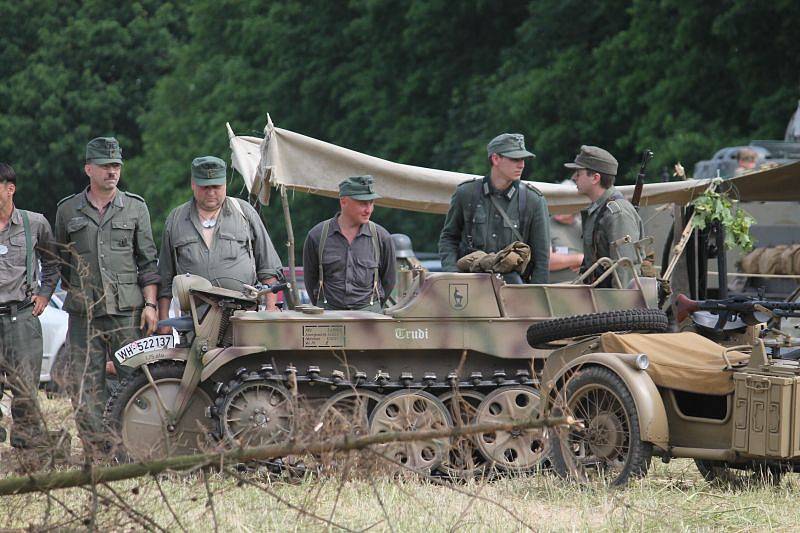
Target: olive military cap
(208, 170)
(596, 159)
(103, 150)
(509, 145)
(359, 188)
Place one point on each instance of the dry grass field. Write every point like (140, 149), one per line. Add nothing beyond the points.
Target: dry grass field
(672, 497)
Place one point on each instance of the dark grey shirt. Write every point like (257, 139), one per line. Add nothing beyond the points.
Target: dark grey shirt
(227, 263)
(13, 268)
(348, 268)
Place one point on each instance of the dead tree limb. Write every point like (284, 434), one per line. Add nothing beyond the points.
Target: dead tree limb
(93, 475)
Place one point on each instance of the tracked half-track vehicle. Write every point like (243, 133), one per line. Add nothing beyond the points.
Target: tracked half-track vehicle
(451, 350)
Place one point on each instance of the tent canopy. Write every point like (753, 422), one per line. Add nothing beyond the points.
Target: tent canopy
(298, 162)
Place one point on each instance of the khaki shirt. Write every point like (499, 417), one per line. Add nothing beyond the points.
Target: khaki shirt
(565, 239)
(105, 260)
(228, 262)
(619, 220)
(488, 231)
(13, 256)
(348, 268)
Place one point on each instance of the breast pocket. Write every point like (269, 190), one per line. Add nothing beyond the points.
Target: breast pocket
(122, 234)
(187, 252)
(334, 265)
(480, 220)
(232, 248)
(365, 271)
(78, 233)
(15, 254)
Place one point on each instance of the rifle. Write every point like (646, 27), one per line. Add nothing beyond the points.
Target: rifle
(647, 155)
(752, 311)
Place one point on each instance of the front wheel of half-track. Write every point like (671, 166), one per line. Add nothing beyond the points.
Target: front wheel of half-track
(136, 419)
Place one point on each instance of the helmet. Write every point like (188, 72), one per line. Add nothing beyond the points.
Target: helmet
(402, 245)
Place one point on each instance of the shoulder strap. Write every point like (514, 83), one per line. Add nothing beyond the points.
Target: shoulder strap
(238, 208)
(506, 218)
(522, 190)
(376, 254)
(601, 212)
(26, 226)
(326, 226)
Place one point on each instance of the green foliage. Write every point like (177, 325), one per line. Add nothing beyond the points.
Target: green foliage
(713, 206)
(423, 82)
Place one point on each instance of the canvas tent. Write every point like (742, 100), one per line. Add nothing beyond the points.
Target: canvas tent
(287, 159)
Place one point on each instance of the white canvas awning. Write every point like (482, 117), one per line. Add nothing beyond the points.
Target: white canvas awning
(285, 158)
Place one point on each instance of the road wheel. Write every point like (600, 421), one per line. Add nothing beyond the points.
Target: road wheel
(740, 475)
(606, 443)
(135, 415)
(410, 410)
(645, 320)
(464, 460)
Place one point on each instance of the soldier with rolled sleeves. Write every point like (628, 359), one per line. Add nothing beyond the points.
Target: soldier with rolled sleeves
(348, 260)
(215, 236)
(610, 217)
(490, 213)
(108, 261)
(26, 240)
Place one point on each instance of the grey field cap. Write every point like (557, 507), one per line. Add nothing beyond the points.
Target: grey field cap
(103, 150)
(509, 145)
(208, 170)
(359, 188)
(595, 158)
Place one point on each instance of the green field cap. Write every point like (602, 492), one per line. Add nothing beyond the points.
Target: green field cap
(208, 170)
(509, 145)
(103, 150)
(359, 188)
(596, 159)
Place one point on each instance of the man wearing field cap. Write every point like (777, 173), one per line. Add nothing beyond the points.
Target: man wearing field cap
(108, 266)
(348, 260)
(490, 213)
(610, 217)
(215, 236)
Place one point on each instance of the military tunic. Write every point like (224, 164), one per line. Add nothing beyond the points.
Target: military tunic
(228, 262)
(106, 261)
(565, 239)
(473, 223)
(617, 219)
(20, 331)
(349, 268)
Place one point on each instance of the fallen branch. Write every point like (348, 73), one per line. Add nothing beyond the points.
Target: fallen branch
(94, 475)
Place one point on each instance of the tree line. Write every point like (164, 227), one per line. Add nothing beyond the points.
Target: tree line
(419, 82)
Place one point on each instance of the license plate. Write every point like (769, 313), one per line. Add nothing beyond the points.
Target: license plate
(147, 344)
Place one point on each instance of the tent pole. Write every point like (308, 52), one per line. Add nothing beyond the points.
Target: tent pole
(287, 218)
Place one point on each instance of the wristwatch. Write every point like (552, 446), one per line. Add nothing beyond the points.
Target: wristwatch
(151, 304)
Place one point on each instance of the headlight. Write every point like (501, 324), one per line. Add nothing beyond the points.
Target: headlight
(642, 361)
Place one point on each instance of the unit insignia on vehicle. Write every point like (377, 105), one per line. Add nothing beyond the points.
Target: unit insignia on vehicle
(459, 296)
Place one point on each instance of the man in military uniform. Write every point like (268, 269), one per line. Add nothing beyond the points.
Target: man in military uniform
(215, 236)
(566, 256)
(109, 270)
(348, 260)
(489, 214)
(610, 217)
(25, 241)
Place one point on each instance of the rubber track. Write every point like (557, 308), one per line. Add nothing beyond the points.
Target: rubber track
(647, 320)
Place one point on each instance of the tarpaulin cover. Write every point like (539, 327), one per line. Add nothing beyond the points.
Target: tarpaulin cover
(286, 158)
(683, 361)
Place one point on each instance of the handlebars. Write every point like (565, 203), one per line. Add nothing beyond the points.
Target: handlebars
(260, 290)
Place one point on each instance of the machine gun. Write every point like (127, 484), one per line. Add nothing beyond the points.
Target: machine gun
(750, 311)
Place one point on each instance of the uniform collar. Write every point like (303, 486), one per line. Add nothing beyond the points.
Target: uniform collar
(509, 193)
(83, 200)
(16, 217)
(363, 230)
(224, 211)
(600, 201)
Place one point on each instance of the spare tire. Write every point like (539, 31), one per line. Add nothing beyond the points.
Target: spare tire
(645, 320)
